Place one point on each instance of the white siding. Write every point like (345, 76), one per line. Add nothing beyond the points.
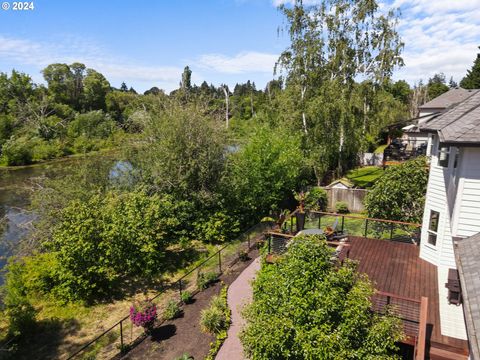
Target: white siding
(436, 200)
(452, 322)
(466, 219)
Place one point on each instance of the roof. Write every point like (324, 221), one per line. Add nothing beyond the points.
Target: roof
(449, 98)
(342, 181)
(467, 253)
(460, 124)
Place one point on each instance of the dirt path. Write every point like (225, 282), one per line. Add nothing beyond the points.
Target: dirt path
(183, 335)
(239, 294)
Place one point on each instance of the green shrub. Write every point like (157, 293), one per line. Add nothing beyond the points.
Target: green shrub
(342, 207)
(212, 320)
(186, 297)
(307, 305)
(399, 194)
(316, 199)
(17, 151)
(204, 280)
(46, 150)
(218, 228)
(172, 310)
(219, 303)
(19, 311)
(243, 255)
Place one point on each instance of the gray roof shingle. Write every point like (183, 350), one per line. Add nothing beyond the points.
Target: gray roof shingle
(449, 98)
(467, 255)
(460, 124)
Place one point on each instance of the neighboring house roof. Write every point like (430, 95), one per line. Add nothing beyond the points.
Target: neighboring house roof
(467, 253)
(343, 182)
(449, 98)
(460, 124)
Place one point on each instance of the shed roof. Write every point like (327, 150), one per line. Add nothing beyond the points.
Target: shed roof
(467, 253)
(449, 98)
(460, 124)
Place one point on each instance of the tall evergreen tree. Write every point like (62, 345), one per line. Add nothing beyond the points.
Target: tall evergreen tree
(472, 79)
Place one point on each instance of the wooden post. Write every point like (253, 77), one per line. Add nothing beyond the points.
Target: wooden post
(366, 227)
(391, 231)
(343, 222)
(422, 329)
(220, 261)
(180, 287)
(320, 221)
(121, 336)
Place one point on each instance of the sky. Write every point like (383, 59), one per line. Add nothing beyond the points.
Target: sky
(148, 43)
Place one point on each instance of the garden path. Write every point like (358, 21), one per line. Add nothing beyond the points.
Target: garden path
(239, 294)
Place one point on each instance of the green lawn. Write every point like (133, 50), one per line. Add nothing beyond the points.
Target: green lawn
(364, 177)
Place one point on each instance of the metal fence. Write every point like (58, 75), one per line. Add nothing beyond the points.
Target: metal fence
(364, 226)
(122, 335)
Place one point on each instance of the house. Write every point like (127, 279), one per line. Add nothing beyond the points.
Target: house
(452, 206)
(413, 133)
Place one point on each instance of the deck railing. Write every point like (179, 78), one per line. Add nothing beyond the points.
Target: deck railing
(222, 259)
(356, 225)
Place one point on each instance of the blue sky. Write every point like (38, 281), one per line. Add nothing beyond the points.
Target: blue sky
(147, 43)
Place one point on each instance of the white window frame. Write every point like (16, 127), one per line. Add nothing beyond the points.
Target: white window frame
(431, 232)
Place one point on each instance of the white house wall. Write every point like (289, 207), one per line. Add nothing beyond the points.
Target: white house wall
(436, 199)
(466, 219)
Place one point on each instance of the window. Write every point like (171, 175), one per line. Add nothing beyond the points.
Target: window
(443, 155)
(433, 227)
(457, 155)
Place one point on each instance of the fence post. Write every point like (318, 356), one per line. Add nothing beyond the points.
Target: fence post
(121, 336)
(366, 227)
(269, 244)
(220, 261)
(291, 224)
(180, 287)
(319, 221)
(343, 222)
(391, 231)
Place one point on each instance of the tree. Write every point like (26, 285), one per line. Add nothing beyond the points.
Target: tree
(96, 88)
(182, 151)
(123, 87)
(305, 307)
(472, 79)
(332, 44)
(110, 236)
(61, 83)
(394, 198)
(263, 172)
(186, 83)
(437, 86)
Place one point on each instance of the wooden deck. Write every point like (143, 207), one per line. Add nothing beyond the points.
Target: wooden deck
(397, 268)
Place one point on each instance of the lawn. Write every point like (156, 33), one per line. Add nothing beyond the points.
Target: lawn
(364, 177)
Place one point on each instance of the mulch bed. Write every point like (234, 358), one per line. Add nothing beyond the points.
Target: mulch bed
(183, 335)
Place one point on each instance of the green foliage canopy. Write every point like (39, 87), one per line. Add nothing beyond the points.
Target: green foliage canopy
(399, 194)
(306, 308)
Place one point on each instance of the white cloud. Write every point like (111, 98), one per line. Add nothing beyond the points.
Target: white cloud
(244, 62)
(439, 35)
(40, 54)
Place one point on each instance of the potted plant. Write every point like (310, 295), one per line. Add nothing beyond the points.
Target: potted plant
(300, 214)
(144, 314)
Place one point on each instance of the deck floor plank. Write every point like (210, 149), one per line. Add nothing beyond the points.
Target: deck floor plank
(396, 268)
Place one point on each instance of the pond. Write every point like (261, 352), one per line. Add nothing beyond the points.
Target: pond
(16, 187)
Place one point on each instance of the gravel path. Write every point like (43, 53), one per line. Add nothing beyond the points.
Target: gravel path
(239, 294)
